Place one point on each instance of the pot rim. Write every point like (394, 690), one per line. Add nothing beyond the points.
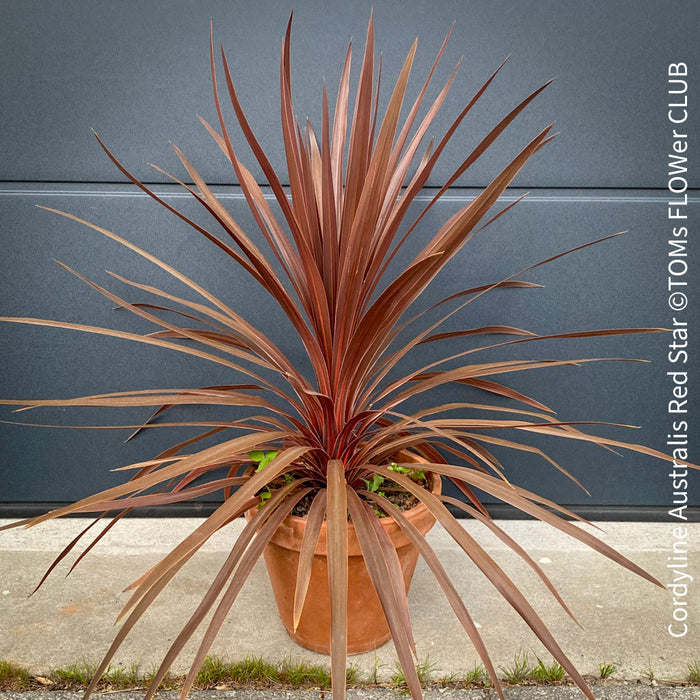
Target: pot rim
(413, 458)
(435, 487)
(290, 532)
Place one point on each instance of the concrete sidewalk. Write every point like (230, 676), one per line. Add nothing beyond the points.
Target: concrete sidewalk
(625, 619)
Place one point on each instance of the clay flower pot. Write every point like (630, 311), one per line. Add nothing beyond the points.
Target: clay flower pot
(367, 625)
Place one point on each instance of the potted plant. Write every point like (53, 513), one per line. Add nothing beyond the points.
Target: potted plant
(334, 458)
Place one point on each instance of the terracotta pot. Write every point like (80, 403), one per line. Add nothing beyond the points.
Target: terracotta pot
(367, 625)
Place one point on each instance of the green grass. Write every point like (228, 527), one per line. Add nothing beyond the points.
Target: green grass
(301, 674)
(424, 671)
(118, 677)
(73, 677)
(449, 679)
(250, 671)
(547, 674)
(476, 678)
(374, 675)
(13, 677)
(694, 673)
(214, 671)
(607, 670)
(121, 678)
(353, 675)
(519, 671)
(256, 672)
(169, 682)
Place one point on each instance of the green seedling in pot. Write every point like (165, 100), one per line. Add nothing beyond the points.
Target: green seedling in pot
(262, 458)
(374, 484)
(410, 472)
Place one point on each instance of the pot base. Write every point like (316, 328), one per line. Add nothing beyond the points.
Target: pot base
(367, 625)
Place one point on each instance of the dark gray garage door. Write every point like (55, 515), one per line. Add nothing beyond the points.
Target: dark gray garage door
(137, 72)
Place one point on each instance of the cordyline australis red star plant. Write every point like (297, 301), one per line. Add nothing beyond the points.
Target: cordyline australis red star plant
(342, 213)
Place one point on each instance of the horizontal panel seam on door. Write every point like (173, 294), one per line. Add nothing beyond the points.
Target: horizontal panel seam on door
(454, 196)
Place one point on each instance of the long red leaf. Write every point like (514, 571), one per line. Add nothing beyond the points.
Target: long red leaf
(314, 521)
(337, 532)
